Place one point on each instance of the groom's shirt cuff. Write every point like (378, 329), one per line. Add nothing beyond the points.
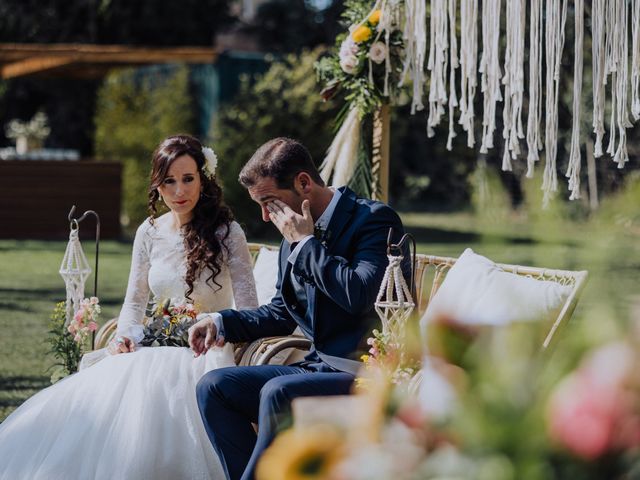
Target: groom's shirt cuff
(294, 253)
(217, 321)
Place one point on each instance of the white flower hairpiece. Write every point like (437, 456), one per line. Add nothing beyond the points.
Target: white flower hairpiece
(210, 162)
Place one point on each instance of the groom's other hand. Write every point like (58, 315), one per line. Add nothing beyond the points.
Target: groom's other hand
(203, 335)
(293, 226)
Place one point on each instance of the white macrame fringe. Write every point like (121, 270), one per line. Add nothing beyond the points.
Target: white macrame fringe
(415, 39)
(490, 70)
(599, 75)
(468, 66)
(513, 82)
(342, 155)
(437, 64)
(635, 60)
(453, 50)
(573, 170)
(534, 137)
(554, 36)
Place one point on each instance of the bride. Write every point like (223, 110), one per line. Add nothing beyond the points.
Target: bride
(133, 415)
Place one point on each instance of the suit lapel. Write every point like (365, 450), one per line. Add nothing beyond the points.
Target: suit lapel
(341, 217)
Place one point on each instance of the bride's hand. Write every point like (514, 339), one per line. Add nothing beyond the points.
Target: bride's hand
(121, 345)
(202, 336)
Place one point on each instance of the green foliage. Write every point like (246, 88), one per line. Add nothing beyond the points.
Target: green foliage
(66, 351)
(489, 198)
(133, 115)
(282, 102)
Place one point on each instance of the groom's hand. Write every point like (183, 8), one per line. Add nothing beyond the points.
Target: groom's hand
(294, 227)
(203, 335)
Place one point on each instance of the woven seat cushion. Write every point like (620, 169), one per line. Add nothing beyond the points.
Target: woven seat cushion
(478, 292)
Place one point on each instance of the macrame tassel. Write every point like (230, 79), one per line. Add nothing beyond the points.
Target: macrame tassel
(437, 64)
(556, 19)
(573, 171)
(621, 47)
(342, 155)
(415, 39)
(490, 70)
(453, 99)
(635, 60)
(468, 65)
(599, 69)
(534, 138)
(513, 83)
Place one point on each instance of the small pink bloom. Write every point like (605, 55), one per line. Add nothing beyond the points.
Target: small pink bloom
(378, 52)
(78, 316)
(93, 326)
(583, 417)
(77, 338)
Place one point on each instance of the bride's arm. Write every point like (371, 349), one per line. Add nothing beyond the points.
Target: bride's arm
(137, 297)
(241, 268)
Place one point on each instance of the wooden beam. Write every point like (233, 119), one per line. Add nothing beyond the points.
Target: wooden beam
(33, 65)
(28, 59)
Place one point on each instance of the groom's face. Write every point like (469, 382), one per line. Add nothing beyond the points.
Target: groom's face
(266, 190)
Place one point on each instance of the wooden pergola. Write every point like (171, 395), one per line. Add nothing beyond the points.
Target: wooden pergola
(90, 61)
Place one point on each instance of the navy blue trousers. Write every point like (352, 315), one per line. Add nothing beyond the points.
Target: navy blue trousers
(231, 399)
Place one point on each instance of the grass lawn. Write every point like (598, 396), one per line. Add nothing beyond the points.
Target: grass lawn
(30, 284)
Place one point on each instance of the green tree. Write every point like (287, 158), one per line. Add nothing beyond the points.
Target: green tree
(132, 116)
(282, 102)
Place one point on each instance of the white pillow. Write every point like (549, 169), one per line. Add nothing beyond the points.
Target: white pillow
(265, 273)
(476, 291)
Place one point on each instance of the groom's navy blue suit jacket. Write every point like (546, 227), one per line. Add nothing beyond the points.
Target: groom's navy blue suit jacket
(340, 273)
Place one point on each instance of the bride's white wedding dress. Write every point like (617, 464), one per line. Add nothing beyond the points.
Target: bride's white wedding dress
(133, 415)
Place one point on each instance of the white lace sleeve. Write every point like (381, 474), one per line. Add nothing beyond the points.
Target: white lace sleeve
(137, 297)
(241, 269)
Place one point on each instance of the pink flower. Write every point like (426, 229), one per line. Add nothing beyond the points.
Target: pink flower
(93, 326)
(78, 316)
(583, 416)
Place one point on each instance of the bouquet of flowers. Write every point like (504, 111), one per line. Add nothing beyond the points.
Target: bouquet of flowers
(168, 322)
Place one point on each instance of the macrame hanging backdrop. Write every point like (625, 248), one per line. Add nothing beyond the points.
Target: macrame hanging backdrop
(74, 270)
(615, 39)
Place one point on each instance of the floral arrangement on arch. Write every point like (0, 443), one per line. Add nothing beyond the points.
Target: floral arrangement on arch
(167, 323)
(366, 64)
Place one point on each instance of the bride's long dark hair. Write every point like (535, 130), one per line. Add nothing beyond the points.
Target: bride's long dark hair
(202, 245)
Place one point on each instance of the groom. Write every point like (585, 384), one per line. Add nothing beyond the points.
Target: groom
(332, 262)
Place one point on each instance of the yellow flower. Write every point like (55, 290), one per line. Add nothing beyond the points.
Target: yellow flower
(361, 34)
(302, 454)
(374, 18)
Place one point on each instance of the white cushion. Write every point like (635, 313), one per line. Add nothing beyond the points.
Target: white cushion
(265, 272)
(476, 291)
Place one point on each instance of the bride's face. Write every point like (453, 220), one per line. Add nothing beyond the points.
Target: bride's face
(180, 189)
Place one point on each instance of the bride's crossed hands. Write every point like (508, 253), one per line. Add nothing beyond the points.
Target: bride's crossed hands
(121, 345)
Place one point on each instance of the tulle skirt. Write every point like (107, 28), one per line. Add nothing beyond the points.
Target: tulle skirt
(129, 416)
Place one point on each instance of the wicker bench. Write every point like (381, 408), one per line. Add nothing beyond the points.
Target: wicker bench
(429, 275)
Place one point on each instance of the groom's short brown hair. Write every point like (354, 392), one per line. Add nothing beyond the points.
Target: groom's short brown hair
(281, 159)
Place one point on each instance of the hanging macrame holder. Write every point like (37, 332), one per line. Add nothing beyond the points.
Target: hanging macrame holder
(395, 301)
(75, 268)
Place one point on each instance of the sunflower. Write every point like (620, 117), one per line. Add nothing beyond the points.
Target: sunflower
(302, 454)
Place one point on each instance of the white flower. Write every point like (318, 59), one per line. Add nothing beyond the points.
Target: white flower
(210, 162)
(349, 64)
(378, 52)
(348, 47)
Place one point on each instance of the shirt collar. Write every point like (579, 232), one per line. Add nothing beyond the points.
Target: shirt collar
(325, 218)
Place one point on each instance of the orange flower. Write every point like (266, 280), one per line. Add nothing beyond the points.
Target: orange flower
(374, 18)
(361, 34)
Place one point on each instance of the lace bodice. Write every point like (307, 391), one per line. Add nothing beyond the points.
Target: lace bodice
(158, 269)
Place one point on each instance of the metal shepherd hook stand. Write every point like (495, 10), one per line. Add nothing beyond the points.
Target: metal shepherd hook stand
(74, 225)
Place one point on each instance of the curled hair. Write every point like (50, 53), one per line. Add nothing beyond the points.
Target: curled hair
(202, 245)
